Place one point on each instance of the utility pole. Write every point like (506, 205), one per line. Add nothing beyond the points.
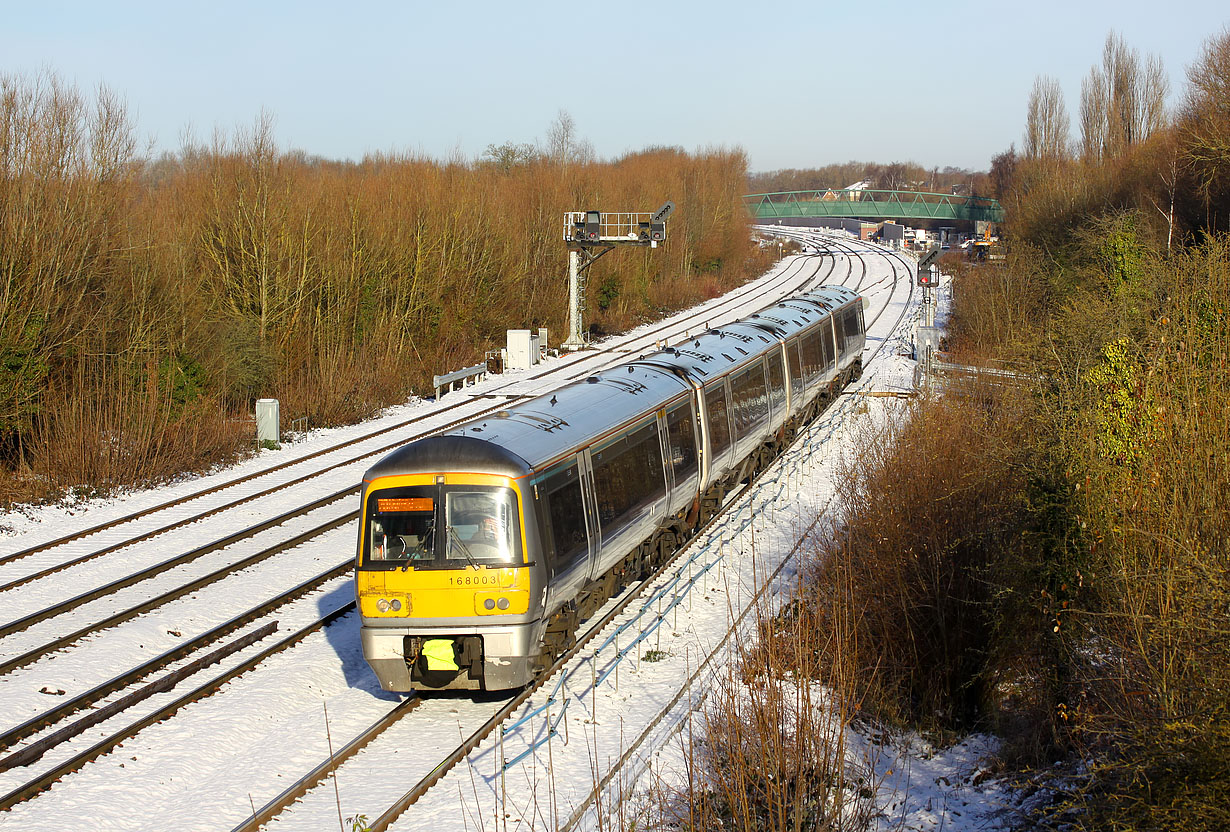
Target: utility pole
(591, 234)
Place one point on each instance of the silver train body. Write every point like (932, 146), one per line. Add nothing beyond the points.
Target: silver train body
(579, 492)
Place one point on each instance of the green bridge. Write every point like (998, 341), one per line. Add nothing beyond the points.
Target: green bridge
(873, 205)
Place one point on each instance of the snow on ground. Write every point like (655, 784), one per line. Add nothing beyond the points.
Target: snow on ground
(618, 737)
(616, 712)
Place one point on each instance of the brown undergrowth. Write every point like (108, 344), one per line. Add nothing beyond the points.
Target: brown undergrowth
(768, 749)
(146, 303)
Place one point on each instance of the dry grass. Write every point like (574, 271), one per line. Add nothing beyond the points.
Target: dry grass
(769, 750)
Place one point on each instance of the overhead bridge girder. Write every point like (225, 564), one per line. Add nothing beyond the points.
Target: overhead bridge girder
(873, 205)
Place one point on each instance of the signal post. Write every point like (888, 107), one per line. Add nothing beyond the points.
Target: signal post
(591, 234)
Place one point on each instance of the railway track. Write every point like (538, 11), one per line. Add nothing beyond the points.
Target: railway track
(296, 792)
(90, 698)
(74, 602)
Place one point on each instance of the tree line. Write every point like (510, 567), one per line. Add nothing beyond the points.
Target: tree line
(1040, 551)
(904, 176)
(146, 302)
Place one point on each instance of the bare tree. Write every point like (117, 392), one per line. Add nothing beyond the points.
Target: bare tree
(1204, 123)
(1093, 115)
(509, 155)
(1123, 102)
(564, 146)
(1046, 125)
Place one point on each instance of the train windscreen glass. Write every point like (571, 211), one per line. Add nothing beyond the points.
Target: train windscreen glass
(480, 525)
(442, 527)
(401, 527)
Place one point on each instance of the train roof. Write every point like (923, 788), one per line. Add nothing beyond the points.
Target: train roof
(545, 428)
(718, 351)
(440, 454)
(541, 429)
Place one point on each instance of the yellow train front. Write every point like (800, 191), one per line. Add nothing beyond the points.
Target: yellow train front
(444, 585)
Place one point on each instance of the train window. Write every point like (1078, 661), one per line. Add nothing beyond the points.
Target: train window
(480, 525)
(826, 341)
(719, 419)
(628, 476)
(794, 352)
(566, 514)
(813, 356)
(400, 523)
(750, 399)
(681, 436)
(777, 381)
(429, 527)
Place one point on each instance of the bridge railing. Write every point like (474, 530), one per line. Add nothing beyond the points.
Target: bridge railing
(873, 204)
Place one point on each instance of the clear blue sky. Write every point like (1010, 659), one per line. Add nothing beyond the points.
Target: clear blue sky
(794, 84)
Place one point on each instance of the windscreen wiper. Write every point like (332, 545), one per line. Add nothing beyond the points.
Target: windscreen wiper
(428, 545)
(465, 551)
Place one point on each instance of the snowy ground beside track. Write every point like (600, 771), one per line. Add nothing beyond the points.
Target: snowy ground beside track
(625, 731)
(204, 769)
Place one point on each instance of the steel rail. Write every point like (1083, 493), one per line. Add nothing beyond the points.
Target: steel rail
(137, 577)
(47, 779)
(646, 338)
(171, 595)
(35, 750)
(96, 694)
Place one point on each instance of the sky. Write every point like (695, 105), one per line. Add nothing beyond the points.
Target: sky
(793, 84)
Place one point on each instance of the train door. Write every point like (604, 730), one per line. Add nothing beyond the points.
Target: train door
(591, 511)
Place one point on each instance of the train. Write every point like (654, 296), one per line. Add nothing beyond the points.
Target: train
(482, 549)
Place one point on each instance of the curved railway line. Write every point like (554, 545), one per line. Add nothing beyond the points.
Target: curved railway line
(252, 627)
(298, 790)
(466, 410)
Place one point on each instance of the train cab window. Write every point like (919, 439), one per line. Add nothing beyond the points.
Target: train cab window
(750, 399)
(681, 437)
(794, 354)
(777, 381)
(826, 342)
(566, 516)
(400, 526)
(719, 419)
(480, 525)
(434, 527)
(628, 477)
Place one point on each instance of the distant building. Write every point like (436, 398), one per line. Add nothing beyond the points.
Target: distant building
(891, 234)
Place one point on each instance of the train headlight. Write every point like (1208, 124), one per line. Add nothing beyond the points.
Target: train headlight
(502, 602)
(386, 606)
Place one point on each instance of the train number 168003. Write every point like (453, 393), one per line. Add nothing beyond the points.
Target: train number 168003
(475, 580)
